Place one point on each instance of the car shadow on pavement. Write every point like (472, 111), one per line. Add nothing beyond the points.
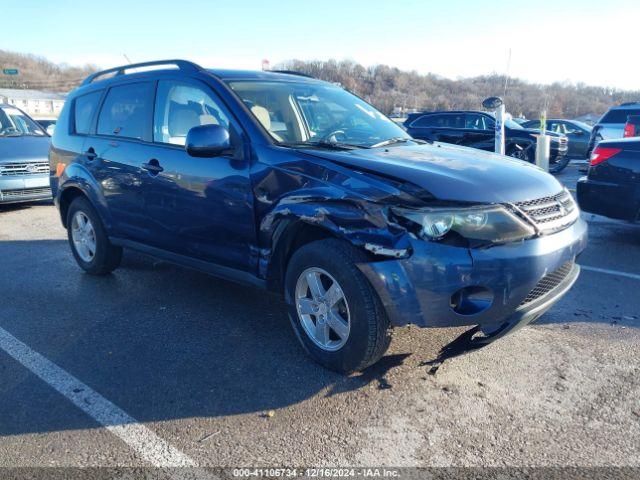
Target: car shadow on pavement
(11, 207)
(159, 341)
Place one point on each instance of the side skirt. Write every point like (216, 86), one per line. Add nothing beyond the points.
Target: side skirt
(214, 269)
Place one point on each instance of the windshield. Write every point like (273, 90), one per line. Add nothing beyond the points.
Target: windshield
(509, 123)
(15, 123)
(317, 113)
(584, 126)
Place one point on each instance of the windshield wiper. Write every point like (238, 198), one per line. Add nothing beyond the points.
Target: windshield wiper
(391, 141)
(323, 144)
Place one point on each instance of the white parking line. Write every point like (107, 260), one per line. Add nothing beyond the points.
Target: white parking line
(146, 443)
(610, 272)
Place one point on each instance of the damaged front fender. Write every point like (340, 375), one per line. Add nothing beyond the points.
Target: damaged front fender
(332, 203)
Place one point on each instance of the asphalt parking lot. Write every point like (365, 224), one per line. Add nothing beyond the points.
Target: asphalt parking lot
(213, 375)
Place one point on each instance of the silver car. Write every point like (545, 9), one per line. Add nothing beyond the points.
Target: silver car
(24, 164)
(612, 123)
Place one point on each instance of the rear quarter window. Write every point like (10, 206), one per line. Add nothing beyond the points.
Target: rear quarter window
(619, 115)
(84, 108)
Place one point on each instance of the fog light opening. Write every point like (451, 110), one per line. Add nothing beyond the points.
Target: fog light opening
(471, 300)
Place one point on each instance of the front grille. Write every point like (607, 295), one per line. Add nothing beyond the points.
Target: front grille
(548, 283)
(23, 168)
(24, 193)
(550, 213)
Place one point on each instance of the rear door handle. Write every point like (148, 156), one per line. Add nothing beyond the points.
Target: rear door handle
(153, 167)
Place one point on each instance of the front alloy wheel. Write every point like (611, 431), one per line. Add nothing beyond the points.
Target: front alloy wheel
(336, 314)
(322, 309)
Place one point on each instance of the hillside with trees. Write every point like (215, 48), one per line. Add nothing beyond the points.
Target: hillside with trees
(38, 73)
(388, 87)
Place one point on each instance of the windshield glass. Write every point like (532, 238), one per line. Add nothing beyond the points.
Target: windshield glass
(312, 113)
(509, 123)
(15, 123)
(584, 126)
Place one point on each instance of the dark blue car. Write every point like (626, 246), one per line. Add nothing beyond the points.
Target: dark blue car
(296, 186)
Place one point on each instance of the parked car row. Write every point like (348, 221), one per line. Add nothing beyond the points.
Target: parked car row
(477, 129)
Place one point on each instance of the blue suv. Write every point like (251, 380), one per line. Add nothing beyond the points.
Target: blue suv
(296, 186)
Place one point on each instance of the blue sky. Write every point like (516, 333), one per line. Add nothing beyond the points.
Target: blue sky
(549, 40)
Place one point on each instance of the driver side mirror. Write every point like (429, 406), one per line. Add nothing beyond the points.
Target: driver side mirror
(207, 141)
(50, 129)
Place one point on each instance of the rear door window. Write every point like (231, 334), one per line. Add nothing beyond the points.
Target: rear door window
(444, 120)
(619, 115)
(83, 109)
(126, 111)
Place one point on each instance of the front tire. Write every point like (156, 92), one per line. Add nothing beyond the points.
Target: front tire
(559, 165)
(89, 242)
(334, 311)
(526, 154)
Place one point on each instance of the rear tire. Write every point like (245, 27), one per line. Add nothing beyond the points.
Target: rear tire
(89, 242)
(366, 326)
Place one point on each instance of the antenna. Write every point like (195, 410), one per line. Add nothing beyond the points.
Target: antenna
(127, 58)
(506, 75)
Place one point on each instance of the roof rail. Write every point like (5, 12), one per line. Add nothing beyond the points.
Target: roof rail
(122, 70)
(626, 104)
(293, 72)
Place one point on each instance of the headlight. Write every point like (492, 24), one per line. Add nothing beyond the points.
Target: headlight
(486, 224)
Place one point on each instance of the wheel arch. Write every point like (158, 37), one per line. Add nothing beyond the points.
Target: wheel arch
(73, 189)
(288, 237)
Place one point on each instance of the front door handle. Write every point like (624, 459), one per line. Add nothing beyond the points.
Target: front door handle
(153, 167)
(90, 154)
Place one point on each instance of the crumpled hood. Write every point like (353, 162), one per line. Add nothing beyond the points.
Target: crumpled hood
(450, 172)
(24, 148)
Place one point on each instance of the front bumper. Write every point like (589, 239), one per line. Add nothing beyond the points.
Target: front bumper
(24, 188)
(418, 290)
(557, 153)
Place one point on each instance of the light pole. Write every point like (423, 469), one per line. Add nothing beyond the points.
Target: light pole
(497, 105)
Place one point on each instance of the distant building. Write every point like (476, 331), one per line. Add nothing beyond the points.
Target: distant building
(34, 102)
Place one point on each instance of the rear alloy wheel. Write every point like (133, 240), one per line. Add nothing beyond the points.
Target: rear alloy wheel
(84, 236)
(89, 242)
(335, 312)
